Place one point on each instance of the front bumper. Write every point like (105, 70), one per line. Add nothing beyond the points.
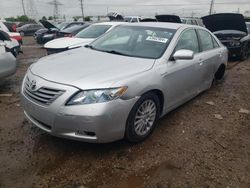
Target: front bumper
(99, 123)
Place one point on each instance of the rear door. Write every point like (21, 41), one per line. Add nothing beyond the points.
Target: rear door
(211, 57)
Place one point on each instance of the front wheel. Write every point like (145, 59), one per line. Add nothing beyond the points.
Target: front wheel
(22, 33)
(244, 52)
(142, 118)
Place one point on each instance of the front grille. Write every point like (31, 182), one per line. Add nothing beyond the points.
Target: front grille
(43, 95)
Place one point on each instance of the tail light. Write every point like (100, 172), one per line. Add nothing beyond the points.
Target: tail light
(14, 27)
(18, 38)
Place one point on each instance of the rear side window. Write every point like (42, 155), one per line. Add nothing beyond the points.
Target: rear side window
(188, 41)
(206, 40)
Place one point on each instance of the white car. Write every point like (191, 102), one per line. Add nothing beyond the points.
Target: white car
(83, 38)
(12, 45)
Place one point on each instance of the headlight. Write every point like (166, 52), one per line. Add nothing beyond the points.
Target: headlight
(97, 96)
(234, 43)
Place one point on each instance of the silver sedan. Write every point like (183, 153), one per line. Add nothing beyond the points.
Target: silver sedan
(122, 83)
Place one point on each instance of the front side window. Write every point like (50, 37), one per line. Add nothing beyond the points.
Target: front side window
(188, 41)
(93, 31)
(135, 41)
(206, 40)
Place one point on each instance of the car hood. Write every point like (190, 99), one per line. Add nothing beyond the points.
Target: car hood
(168, 18)
(47, 24)
(87, 69)
(227, 21)
(67, 42)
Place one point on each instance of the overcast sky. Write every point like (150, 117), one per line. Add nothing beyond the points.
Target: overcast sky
(71, 8)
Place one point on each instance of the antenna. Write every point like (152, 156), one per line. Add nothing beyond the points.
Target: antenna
(56, 5)
(211, 7)
(32, 12)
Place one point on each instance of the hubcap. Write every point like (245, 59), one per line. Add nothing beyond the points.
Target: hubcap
(145, 117)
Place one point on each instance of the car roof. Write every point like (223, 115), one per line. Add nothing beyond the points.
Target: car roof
(160, 25)
(109, 23)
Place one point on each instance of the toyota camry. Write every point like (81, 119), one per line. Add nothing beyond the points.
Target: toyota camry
(122, 83)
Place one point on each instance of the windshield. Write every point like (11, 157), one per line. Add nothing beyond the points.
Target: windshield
(62, 25)
(135, 41)
(93, 31)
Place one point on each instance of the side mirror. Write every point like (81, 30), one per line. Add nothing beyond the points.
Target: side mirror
(183, 55)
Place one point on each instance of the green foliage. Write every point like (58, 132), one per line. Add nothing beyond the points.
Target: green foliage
(22, 18)
(50, 18)
(87, 18)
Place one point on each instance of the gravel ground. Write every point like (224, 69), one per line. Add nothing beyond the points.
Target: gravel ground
(204, 143)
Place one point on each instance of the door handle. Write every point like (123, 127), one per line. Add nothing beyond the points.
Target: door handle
(201, 62)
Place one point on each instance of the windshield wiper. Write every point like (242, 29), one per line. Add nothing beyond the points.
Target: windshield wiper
(89, 46)
(116, 52)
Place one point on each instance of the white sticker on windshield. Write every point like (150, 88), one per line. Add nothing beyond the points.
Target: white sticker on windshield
(157, 39)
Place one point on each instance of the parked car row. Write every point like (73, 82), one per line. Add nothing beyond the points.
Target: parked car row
(120, 84)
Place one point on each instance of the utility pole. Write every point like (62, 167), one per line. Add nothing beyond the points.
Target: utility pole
(211, 7)
(81, 1)
(24, 13)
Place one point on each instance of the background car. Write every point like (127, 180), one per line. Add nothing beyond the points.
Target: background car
(7, 62)
(14, 35)
(82, 38)
(49, 33)
(11, 45)
(231, 29)
(71, 31)
(28, 29)
(132, 19)
(11, 26)
(168, 18)
(192, 21)
(123, 82)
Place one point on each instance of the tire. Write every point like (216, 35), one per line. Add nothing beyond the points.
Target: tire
(21, 33)
(140, 122)
(220, 72)
(244, 52)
